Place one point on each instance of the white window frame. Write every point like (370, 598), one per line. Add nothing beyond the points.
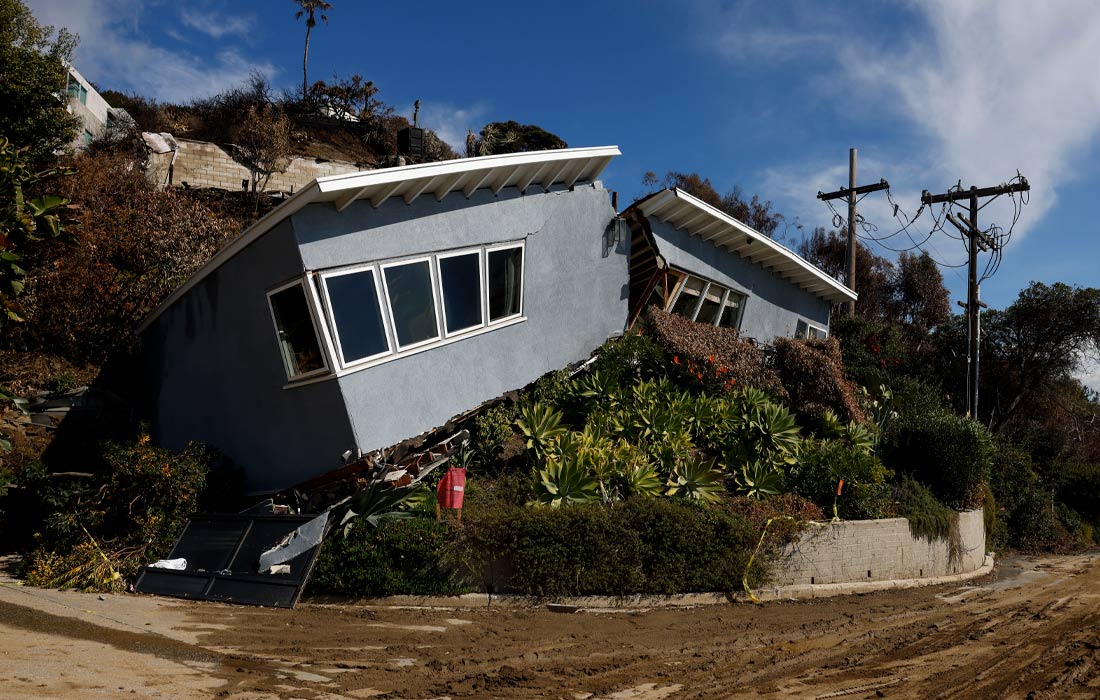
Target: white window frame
(324, 320)
(707, 284)
(811, 327)
(326, 368)
(483, 296)
(740, 308)
(522, 245)
(331, 317)
(434, 281)
(680, 290)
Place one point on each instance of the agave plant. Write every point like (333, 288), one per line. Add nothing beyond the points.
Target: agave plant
(697, 479)
(540, 424)
(377, 502)
(774, 432)
(757, 479)
(670, 449)
(858, 435)
(597, 388)
(564, 481)
(861, 437)
(641, 480)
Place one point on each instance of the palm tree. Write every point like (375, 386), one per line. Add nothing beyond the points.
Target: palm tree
(309, 9)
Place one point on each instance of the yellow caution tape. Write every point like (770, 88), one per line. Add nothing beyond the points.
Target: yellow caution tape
(114, 574)
(745, 578)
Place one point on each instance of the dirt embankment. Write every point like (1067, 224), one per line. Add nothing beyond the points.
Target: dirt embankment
(1032, 632)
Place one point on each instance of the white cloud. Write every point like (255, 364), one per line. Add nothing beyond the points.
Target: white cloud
(216, 25)
(1089, 374)
(451, 122)
(116, 54)
(981, 88)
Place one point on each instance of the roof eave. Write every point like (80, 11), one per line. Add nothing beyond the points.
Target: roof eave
(665, 200)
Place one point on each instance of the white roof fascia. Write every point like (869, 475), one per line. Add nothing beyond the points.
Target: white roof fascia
(670, 204)
(438, 179)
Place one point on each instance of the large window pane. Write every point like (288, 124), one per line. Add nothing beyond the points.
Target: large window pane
(412, 302)
(712, 301)
(297, 337)
(689, 298)
(460, 280)
(505, 282)
(358, 319)
(731, 311)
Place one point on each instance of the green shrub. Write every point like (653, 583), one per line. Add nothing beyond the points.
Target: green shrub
(134, 517)
(491, 429)
(1079, 486)
(820, 467)
(635, 356)
(812, 373)
(928, 518)
(874, 352)
(403, 557)
(61, 382)
(996, 524)
(952, 454)
(641, 545)
(553, 389)
(1034, 527)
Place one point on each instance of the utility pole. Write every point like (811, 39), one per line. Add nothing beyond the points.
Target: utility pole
(975, 239)
(851, 192)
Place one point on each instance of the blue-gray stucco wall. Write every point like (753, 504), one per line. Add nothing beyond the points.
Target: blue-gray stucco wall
(574, 297)
(774, 305)
(216, 375)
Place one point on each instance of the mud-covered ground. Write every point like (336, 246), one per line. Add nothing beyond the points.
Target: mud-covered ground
(1031, 631)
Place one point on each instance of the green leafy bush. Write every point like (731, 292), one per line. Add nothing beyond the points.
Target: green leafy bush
(404, 557)
(874, 352)
(491, 429)
(641, 545)
(131, 519)
(812, 373)
(952, 454)
(631, 358)
(928, 518)
(822, 464)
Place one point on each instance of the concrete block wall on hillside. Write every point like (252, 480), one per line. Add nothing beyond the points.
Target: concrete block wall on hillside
(205, 164)
(877, 550)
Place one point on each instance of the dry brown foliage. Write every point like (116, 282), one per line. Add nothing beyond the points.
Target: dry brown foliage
(722, 357)
(812, 371)
(133, 247)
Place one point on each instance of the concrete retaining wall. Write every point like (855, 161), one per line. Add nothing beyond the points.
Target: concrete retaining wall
(878, 550)
(205, 164)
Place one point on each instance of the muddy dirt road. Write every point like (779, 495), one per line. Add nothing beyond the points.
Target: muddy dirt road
(1031, 631)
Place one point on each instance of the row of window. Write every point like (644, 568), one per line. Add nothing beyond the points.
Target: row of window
(385, 309)
(76, 90)
(707, 302)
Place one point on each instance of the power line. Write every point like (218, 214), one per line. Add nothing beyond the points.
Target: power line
(992, 239)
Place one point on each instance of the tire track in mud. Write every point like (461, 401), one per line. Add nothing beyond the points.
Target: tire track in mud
(1038, 640)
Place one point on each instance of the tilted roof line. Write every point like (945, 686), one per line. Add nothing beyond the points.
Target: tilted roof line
(565, 166)
(684, 211)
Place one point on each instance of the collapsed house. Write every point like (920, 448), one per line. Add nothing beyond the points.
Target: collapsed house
(696, 261)
(371, 307)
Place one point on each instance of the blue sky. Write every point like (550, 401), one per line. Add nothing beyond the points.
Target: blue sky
(769, 95)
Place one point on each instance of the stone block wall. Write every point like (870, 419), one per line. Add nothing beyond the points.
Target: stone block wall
(205, 164)
(877, 550)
